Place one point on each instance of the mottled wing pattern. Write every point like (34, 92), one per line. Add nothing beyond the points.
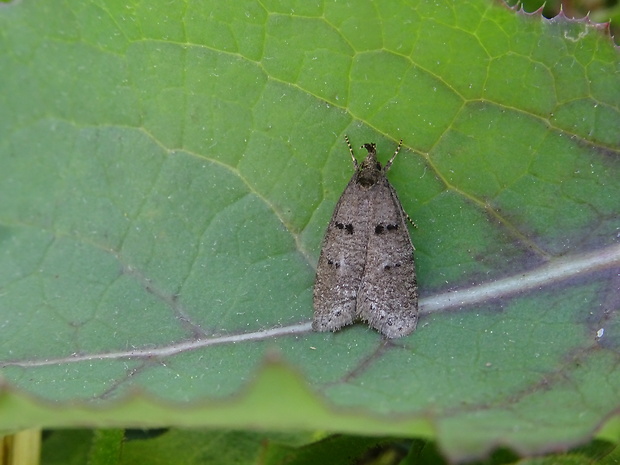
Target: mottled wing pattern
(341, 263)
(388, 295)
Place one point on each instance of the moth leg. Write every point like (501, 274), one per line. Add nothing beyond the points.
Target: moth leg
(410, 221)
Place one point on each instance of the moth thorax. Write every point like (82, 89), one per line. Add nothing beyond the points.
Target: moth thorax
(370, 171)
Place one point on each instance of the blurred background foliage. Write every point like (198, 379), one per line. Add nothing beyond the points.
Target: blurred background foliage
(600, 11)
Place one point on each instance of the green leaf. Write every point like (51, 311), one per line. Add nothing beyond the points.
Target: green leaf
(106, 447)
(167, 171)
(224, 447)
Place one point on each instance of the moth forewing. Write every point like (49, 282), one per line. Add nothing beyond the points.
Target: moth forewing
(388, 294)
(341, 267)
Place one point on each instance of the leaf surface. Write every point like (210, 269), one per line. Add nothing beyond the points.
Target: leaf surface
(167, 172)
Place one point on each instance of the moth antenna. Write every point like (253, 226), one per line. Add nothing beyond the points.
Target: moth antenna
(389, 163)
(351, 151)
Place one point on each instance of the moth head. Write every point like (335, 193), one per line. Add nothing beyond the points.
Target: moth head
(370, 171)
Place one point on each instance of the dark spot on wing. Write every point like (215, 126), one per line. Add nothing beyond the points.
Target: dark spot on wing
(347, 227)
(333, 263)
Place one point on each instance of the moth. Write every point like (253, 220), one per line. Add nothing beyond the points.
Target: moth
(366, 269)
